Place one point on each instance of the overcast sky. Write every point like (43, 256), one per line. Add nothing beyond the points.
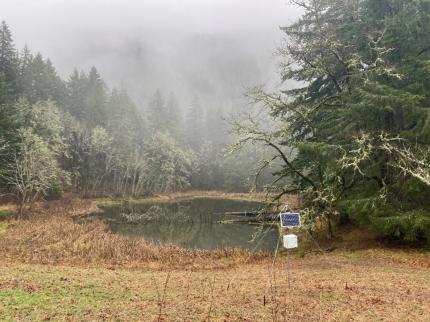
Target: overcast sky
(124, 15)
(82, 33)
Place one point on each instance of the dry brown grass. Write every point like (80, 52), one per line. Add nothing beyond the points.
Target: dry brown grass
(332, 288)
(292, 200)
(53, 234)
(95, 275)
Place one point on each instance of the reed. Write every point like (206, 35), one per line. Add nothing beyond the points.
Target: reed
(53, 234)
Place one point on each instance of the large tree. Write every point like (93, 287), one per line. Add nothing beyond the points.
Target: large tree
(158, 113)
(8, 65)
(33, 169)
(358, 118)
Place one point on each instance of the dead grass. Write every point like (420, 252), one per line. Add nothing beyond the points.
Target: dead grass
(292, 200)
(53, 235)
(53, 268)
(332, 288)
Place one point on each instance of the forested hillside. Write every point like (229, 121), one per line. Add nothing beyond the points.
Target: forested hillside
(79, 135)
(353, 133)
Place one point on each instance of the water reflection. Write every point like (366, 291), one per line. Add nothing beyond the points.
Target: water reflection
(196, 223)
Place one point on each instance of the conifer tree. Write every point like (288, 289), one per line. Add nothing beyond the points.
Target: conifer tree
(195, 133)
(124, 121)
(24, 71)
(359, 118)
(96, 99)
(56, 87)
(174, 117)
(8, 65)
(76, 91)
(158, 113)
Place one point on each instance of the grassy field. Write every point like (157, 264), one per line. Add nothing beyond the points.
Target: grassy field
(55, 269)
(340, 287)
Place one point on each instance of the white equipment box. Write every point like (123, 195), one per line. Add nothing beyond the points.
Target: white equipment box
(290, 241)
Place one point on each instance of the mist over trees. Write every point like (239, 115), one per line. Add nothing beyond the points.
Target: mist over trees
(79, 135)
(348, 130)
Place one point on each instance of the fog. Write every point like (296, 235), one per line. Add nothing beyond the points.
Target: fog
(213, 49)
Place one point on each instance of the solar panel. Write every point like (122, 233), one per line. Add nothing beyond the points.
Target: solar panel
(290, 219)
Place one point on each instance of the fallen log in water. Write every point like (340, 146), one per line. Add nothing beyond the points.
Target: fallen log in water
(247, 213)
(250, 216)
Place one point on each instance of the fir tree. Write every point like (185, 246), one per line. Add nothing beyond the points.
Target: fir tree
(24, 71)
(359, 119)
(96, 99)
(8, 65)
(158, 113)
(76, 92)
(195, 133)
(174, 117)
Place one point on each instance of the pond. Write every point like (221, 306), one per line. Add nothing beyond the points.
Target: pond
(196, 223)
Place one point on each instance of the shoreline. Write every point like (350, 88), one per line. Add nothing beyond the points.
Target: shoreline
(52, 268)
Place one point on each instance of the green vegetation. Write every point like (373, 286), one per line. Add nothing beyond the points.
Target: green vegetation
(357, 123)
(36, 296)
(5, 214)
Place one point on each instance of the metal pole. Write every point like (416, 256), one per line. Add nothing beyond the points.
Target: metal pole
(288, 269)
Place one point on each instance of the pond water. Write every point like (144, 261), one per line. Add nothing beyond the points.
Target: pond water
(197, 223)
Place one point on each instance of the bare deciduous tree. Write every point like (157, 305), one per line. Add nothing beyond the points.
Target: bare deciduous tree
(35, 169)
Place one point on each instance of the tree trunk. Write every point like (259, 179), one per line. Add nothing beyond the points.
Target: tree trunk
(329, 227)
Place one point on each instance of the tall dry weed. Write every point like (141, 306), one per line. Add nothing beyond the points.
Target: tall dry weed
(54, 234)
